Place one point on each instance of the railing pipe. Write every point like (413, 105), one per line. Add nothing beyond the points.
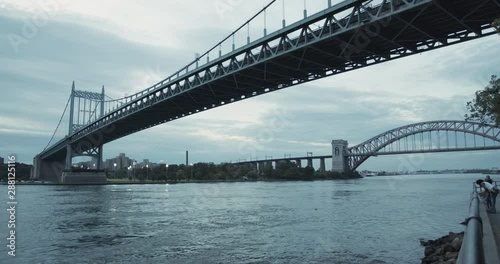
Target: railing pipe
(472, 251)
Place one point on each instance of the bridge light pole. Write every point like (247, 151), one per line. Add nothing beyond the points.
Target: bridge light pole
(191, 170)
(133, 170)
(115, 170)
(147, 171)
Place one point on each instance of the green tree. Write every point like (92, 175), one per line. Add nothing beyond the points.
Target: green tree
(121, 173)
(157, 173)
(23, 171)
(268, 170)
(485, 108)
(172, 172)
(141, 174)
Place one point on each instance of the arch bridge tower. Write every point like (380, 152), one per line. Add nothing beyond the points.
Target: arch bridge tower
(339, 155)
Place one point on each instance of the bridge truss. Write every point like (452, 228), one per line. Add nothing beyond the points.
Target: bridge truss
(427, 137)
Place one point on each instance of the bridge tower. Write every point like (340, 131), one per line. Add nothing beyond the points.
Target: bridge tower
(82, 118)
(89, 109)
(55, 163)
(340, 161)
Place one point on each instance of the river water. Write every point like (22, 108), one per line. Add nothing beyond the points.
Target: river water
(370, 220)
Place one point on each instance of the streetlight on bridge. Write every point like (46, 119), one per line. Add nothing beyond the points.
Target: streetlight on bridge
(147, 171)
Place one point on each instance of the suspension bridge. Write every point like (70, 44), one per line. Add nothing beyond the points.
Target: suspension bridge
(346, 36)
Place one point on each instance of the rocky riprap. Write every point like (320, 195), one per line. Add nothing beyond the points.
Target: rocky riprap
(442, 250)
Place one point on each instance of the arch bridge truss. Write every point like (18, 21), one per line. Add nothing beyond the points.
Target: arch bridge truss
(427, 137)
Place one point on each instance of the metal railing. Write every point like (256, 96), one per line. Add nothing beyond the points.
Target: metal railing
(472, 251)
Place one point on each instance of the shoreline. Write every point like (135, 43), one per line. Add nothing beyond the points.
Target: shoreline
(127, 182)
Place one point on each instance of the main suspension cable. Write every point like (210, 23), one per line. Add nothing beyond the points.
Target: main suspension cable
(58, 123)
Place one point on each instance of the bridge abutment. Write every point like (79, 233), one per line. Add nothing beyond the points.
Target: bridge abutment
(339, 155)
(47, 170)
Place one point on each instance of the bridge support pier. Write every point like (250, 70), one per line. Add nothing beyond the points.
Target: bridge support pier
(255, 166)
(72, 175)
(310, 163)
(339, 155)
(322, 165)
(298, 162)
(261, 167)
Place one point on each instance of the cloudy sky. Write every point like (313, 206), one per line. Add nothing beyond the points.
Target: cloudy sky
(129, 45)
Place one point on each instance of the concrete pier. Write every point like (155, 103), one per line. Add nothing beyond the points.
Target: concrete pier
(310, 163)
(262, 165)
(322, 165)
(255, 166)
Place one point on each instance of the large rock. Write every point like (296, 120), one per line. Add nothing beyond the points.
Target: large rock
(457, 243)
(429, 251)
(442, 250)
(451, 255)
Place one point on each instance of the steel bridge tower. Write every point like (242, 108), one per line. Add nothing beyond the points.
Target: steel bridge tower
(84, 109)
(83, 117)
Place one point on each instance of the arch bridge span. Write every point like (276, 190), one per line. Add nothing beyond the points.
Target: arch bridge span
(426, 137)
(423, 137)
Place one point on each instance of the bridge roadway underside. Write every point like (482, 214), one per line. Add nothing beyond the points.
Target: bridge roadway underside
(280, 61)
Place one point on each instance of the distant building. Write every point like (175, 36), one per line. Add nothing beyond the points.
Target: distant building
(121, 161)
(1, 160)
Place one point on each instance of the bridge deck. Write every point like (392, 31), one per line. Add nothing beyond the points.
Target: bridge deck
(296, 54)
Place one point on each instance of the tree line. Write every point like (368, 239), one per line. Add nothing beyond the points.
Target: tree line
(285, 170)
(23, 171)
(204, 172)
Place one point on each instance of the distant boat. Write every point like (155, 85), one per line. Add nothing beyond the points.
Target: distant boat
(368, 174)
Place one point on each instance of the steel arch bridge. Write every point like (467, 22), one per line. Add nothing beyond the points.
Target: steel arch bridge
(426, 137)
(346, 36)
